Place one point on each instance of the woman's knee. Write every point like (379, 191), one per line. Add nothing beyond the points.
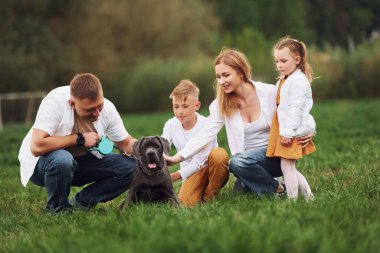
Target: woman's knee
(234, 165)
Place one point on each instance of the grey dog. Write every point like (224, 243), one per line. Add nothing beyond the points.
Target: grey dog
(151, 182)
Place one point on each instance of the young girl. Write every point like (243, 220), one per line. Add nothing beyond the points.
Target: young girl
(292, 118)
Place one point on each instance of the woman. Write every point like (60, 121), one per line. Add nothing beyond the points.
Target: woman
(246, 109)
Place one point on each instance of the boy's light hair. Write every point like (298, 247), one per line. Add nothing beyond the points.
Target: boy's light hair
(184, 89)
(85, 85)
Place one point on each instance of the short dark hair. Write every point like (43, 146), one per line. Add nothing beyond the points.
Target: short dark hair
(85, 85)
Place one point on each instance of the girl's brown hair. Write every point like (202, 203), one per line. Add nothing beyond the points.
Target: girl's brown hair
(297, 48)
(239, 62)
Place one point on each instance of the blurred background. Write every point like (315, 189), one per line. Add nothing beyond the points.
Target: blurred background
(141, 49)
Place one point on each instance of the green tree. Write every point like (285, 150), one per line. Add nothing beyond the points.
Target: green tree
(342, 23)
(271, 17)
(116, 33)
(31, 55)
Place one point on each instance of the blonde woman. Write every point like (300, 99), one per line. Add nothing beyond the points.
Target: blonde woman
(246, 108)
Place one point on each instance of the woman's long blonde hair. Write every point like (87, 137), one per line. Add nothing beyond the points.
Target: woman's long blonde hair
(297, 48)
(235, 59)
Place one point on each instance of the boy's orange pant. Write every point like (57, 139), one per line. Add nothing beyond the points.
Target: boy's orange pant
(207, 182)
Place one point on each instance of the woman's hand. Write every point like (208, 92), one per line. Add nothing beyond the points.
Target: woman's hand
(304, 140)
(171, 160)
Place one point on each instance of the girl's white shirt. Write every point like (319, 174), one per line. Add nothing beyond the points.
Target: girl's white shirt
(234, 125)
(296, 102)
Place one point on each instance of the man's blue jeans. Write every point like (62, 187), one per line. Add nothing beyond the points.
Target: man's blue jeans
(255, 171)
(57, 171)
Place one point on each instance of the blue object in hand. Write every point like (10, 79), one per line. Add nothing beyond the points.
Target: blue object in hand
(104, 147)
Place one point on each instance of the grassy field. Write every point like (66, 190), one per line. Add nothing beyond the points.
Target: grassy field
(345, 217)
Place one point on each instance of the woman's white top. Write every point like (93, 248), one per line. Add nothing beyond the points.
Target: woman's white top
(256, 134)
(296, 102)
(234, 125)
(176, 135)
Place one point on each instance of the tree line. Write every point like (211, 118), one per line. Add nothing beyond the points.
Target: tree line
(146, 45)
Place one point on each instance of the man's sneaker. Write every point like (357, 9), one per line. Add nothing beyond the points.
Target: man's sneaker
(79, 205)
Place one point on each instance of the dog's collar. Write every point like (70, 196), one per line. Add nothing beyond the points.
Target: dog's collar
(152, 172)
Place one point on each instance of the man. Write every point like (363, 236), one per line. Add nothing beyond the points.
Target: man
(55, 152)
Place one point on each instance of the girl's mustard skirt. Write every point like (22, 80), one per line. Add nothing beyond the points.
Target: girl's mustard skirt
(293, 151)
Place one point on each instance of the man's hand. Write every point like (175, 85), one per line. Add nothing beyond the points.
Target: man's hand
(171, 160)
(42, 143)
(285, 141)
(175, 176)
(91, 139)
(304, 140)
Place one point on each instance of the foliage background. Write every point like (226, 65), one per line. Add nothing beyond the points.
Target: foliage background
(142, 49)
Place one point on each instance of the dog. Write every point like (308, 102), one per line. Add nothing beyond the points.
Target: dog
(151, 182)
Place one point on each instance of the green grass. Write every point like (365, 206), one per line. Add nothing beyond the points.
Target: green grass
(345, 217)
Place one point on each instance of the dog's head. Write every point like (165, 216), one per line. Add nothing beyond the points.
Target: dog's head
(150, 149)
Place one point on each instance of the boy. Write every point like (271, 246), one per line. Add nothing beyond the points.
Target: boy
(204, 174)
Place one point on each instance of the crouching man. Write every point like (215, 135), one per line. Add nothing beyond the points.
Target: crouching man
(55, 152)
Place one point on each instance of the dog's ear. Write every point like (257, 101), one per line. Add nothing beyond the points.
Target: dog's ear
(136, 147)
(165, 145)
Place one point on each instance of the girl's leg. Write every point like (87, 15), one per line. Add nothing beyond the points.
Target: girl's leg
(289, 170)
(304, 187)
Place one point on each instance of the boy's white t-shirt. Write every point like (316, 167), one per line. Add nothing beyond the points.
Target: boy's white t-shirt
(176, 135)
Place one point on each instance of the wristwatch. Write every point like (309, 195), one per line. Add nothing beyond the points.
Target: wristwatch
(80, 139)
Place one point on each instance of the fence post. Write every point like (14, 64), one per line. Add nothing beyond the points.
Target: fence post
(29, 110)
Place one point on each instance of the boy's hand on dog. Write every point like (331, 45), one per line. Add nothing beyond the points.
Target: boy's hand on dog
(171, 160)
(175, 176)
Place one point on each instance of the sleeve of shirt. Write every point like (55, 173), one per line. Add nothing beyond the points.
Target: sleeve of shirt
(115, 127)
(298, 99)
(210, 130)
(49, 115)
(166, 132)
(198, 161)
